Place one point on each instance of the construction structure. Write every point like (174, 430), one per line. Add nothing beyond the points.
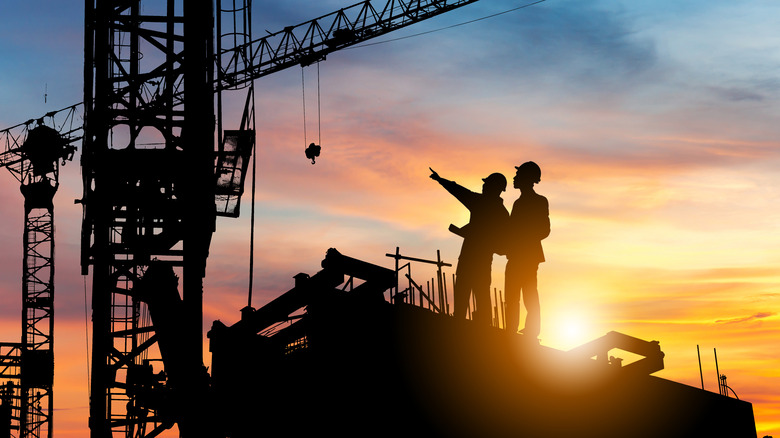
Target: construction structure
(336, 353)
(159, 165)
(32, 152)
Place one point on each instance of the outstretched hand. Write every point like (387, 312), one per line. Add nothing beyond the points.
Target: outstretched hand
(434, 176)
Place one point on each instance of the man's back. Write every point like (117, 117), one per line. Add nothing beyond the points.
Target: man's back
(529, 223)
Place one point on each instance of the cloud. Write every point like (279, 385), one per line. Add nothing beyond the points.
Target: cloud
(737, 320)
(580, 86)
(735, 94)
(580, 47)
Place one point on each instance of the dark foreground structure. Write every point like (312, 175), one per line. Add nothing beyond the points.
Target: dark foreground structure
(333, 356)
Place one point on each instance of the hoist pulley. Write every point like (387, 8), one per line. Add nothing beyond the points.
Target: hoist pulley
(313, 151)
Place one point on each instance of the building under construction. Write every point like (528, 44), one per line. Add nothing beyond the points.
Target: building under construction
(334, 354)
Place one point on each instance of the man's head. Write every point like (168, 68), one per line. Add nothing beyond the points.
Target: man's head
(494, 183)
(527, 174)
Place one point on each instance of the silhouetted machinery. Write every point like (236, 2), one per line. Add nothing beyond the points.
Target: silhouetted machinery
(155, 178)
(329, 356)
(32, 152)
(154, 183)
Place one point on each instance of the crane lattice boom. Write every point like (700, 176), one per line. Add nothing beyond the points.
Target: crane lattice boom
(312, 40)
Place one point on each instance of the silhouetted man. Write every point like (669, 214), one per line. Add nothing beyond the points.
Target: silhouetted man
(529, 223)
(476, 254)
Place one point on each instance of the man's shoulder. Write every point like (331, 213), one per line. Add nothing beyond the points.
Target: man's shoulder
(492, 203)
(500, 207)
(531, 202)
(532, 197)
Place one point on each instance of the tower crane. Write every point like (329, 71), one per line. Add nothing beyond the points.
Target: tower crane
(155, 178)
(32, 152)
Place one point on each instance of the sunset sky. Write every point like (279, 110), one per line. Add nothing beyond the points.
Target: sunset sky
(656, 125)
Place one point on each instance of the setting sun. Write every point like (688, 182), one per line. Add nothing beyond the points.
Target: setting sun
(569, 330)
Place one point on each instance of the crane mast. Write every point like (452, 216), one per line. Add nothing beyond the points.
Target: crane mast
(148, 195)
(32, 152)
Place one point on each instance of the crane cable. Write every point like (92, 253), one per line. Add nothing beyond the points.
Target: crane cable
(252, 214)
(312, 151)
(319, 108)
(86, 333)
(303, 94)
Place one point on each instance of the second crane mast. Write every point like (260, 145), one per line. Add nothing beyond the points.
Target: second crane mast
(32, 152)
(152, 190)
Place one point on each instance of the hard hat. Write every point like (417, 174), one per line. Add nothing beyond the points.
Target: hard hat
(496, 179)
(531, 169)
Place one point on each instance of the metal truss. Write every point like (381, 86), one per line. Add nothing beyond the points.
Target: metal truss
(144, 166)
(32, 152)
(153, 173)
(312, 40)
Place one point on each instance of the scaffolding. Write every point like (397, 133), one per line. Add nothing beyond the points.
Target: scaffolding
(435, 296)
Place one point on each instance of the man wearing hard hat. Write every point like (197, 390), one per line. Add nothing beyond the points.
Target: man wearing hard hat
(473, 273)
(529, 224)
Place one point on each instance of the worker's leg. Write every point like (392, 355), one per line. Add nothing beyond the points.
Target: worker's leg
(481, 290)
(531, 301)
(512, 289)
(461, 290)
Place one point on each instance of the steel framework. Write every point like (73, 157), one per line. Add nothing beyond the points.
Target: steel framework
(32, 152)
(148, 159)
(155, 178)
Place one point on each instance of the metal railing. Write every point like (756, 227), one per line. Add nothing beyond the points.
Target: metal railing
(434, 294)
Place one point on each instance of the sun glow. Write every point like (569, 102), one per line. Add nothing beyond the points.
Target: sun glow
(569, 330)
